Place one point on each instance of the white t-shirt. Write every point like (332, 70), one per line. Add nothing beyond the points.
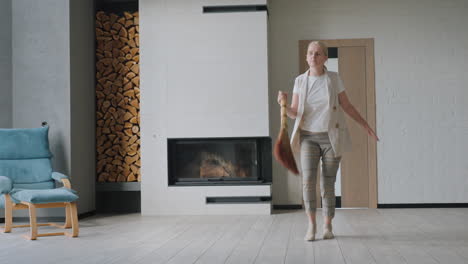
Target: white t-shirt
(316, 114)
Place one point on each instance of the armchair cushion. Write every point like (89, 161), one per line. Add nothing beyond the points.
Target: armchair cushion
(26, 170)
(24, 143)
(5, 185)
(35, 186)
(58, 195)
(58, 176)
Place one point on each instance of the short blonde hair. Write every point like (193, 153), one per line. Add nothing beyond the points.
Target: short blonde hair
(322, 46)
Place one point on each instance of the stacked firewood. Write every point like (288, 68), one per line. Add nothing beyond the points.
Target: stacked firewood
(117, 97)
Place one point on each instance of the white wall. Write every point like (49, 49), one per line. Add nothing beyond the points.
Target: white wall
(45, 89)
(215, 87)
(202, 75)
(41, 71)
(41, 74)
(5, 64)
(421, 57)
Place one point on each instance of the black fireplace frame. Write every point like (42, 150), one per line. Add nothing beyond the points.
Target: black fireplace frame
(264, 158)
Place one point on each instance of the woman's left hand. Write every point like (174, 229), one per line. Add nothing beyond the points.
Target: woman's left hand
(371, 133)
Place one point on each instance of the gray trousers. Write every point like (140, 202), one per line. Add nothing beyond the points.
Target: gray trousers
(313, 147)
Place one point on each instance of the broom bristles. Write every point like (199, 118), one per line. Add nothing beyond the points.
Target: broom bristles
(283, 153)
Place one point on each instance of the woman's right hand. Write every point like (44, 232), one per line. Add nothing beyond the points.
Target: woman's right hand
(282, 95)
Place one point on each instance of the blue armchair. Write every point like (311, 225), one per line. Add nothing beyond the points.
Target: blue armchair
(27, 180)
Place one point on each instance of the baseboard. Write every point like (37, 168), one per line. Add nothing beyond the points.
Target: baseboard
(424, 205)
(44, 219)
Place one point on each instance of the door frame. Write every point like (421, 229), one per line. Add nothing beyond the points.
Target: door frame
(368, 44)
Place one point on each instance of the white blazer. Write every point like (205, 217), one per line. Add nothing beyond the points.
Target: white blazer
(337, 128)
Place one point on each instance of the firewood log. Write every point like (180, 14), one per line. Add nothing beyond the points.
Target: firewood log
(117, 97)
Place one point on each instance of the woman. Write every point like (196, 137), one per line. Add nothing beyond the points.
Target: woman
(318, 103)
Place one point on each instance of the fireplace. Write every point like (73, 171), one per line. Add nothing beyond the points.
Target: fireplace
(219, 161)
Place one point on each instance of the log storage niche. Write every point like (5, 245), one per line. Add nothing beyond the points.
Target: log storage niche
(117, 97)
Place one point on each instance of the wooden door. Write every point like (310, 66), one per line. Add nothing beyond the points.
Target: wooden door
(354, 171)
(358, 167)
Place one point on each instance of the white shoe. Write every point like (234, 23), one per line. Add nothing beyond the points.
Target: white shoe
(327, 232)
(310, 234)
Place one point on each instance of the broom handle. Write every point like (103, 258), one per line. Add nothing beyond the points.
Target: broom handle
(284, 119)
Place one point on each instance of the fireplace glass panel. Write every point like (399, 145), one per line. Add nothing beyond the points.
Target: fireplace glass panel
(211, 160)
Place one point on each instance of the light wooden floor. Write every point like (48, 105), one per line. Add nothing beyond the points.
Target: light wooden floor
(363, 236)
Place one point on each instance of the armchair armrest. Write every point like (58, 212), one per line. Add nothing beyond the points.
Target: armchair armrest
(5, 185)
(63, 178)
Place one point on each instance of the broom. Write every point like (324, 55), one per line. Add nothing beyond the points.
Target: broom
(282, 151)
